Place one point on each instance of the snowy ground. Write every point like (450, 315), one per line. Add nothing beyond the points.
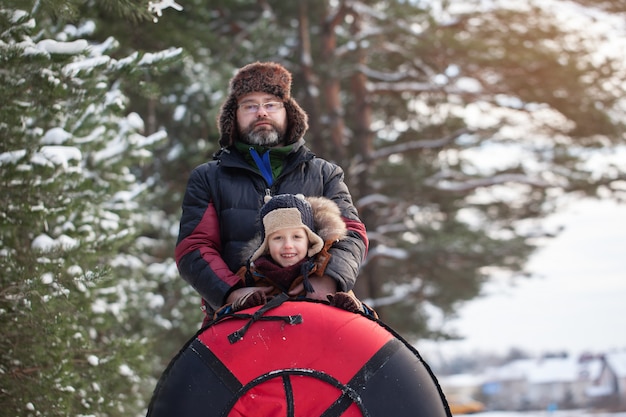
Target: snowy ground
(565, 413)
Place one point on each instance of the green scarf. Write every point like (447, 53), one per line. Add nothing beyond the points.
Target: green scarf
(277, 156)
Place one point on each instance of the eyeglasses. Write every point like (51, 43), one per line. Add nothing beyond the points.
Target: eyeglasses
(270, 107)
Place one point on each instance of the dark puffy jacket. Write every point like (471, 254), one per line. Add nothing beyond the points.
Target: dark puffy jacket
(219, 218)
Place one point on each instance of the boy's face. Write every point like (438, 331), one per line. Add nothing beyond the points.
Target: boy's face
(288, 246)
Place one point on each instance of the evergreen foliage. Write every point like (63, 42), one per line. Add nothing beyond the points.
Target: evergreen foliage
(69, 159)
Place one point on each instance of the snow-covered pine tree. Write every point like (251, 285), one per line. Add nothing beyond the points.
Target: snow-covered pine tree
(69, 213)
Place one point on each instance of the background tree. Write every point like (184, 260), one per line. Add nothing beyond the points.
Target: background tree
(69, 159)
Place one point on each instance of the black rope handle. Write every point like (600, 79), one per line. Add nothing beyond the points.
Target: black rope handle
(259, 316)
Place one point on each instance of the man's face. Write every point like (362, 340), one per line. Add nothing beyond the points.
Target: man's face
(262, 126)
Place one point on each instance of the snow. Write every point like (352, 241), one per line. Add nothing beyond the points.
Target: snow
(19, 15)
(93, 135)
(141, 141)
(398, 293)
(86, 65)
(12, 157)
(158, 7)
(47, 278)
(75, 270)
(116, 146)
(554, 370)
(386, 251)
(484, 182)
(65, 48)
(55, 136)
(108, 44)
(45, 243)
(461, 380)
(127, 371)
(179, 112)
(618, 363)
(86, 29)
(57, 156)
(156, 301)
(151, 58)
(163, 270)
(135, 121)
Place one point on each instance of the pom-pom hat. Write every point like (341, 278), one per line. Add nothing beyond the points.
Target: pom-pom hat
(285, 211)
(265, 77)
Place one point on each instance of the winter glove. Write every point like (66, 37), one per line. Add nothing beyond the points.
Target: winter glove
(348, 301)
(345, 301)
(249, 300)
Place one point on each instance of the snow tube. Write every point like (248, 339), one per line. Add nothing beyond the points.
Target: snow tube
(297, 358)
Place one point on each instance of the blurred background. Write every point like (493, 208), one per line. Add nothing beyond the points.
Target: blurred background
(574, 304)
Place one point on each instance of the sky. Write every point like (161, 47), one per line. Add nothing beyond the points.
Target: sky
(575, 303)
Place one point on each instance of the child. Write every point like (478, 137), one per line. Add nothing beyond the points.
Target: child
(291, 249)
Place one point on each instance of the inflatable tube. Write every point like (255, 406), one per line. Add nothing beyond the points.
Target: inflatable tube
(297, 358)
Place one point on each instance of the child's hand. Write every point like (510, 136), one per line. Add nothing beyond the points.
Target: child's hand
(322, 286)
(346, 301)
(248, 297)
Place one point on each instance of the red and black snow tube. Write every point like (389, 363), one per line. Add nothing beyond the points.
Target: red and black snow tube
(297, 358)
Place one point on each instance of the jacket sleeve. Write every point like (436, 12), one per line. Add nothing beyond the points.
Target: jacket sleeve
(198, 246)
(348, 253)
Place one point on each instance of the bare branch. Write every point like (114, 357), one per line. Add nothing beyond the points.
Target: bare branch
(417, 144)
(485, 182)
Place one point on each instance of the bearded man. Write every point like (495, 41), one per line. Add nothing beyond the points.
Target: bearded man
(262, 153)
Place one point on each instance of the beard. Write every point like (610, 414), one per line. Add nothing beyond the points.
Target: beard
(264, 135)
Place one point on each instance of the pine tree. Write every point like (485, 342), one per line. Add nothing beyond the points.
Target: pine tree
(69, 160)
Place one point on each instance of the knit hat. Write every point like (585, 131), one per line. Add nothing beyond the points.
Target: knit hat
(284, 211)
(265, 77)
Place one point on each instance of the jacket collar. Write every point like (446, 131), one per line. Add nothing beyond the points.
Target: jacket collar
(232, 153)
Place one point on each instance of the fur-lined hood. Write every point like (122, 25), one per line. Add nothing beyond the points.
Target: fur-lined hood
(268, 77)
(327, 222)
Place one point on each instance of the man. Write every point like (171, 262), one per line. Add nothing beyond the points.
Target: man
(262, 154)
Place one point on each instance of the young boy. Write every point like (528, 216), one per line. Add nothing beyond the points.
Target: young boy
(292, 252)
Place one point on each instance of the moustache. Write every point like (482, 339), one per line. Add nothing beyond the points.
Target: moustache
(264, 123)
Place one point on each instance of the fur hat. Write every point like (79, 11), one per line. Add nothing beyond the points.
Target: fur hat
(265, 77)
(284, 211)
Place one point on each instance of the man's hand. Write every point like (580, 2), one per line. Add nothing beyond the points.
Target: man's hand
(323, 286)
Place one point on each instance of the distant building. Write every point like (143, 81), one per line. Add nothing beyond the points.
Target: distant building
(506, 387)
(561, 382)
(548, 383)
(608, 389)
